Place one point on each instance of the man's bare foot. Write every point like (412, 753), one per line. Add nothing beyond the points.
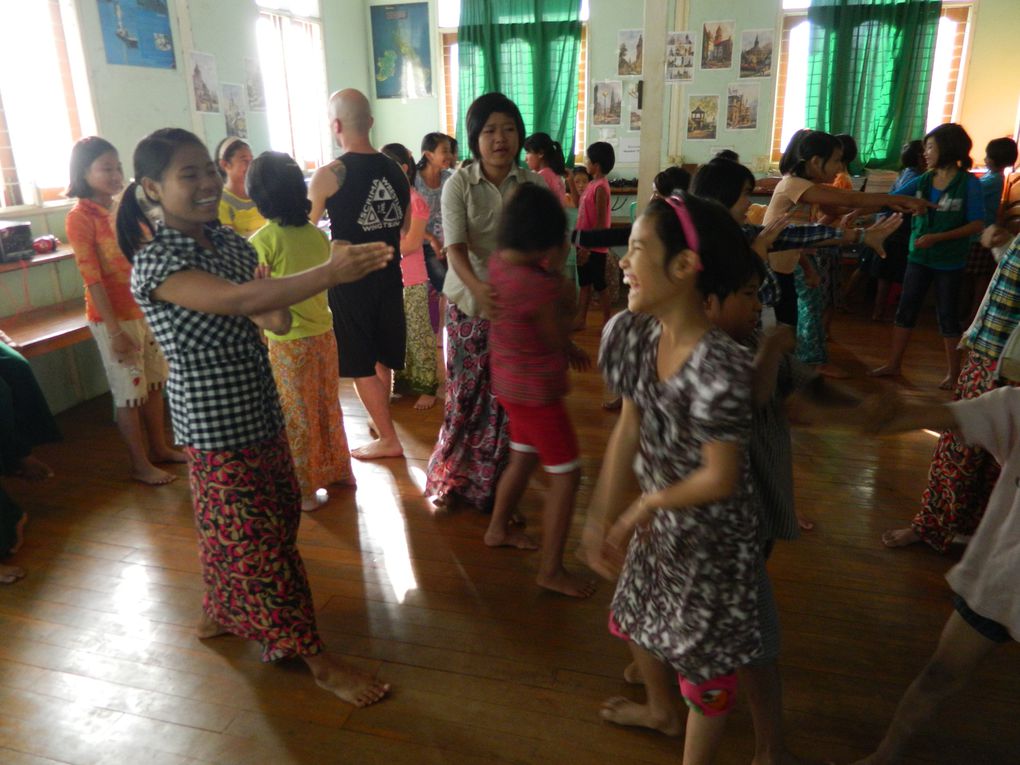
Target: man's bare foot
(34, 469)
(947, 383)
(208, 628)
(900, 537)
(348, 683)
(885, 370)
(831, 370)
(805, 523)
(378, 449)
(508, 538)
(169, 455)
(567, 584)
(153, 476)
(424, 402)
(11, 574)
(19, 534)
(626, 712)
(633, 675)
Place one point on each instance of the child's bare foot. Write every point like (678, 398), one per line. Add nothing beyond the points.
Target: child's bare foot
(633, 675)
(208, 628)
(900, 537)
(517, 519)
(947, 383)
(424, 402)
(153, 476)
(567, 584)
(806, 524)
(350, 684)
(378, 449)
(33, 469)
(626, 712)
(11, 574)
(886, 370)
(167, 454)
(509, 538)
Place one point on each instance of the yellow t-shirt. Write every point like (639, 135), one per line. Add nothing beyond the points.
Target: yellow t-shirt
(290, 250)
(240, 214)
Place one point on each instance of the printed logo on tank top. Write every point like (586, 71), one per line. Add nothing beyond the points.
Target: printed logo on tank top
(382, 208)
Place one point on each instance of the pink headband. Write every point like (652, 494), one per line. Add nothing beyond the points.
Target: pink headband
(684, 216)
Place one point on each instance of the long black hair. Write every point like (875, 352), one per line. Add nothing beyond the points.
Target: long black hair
(276, 185)
(152, 157)
(954, 145)
(544, 146)
(804, 145)
(83, 154)
(431, 142)
(402, 156)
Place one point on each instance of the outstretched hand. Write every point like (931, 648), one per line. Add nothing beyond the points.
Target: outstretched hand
(350, 262)
(876, 234)
(912, 205)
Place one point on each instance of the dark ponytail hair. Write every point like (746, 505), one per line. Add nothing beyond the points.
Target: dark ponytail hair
(727, 261)
(431, 142)
(805, 145)
(83, 154)
(402, 156)
(723, 180)
(276, 185)
(544, 146)
(225, 151)
(152, 157)
(954, 145)
(673, 178)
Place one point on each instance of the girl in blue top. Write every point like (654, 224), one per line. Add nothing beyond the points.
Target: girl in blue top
(939, 243)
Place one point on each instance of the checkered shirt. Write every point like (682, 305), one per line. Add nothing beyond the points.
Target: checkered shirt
(221, 389)
(1000, 311)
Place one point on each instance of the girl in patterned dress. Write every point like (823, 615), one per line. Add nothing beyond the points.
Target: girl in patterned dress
(304, 359)
(686, 600)
(195, 281)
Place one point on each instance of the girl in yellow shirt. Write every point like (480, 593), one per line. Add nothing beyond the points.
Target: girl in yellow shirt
(236, 209)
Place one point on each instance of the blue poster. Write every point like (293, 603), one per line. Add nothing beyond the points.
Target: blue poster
(137, 33)
(400, 44)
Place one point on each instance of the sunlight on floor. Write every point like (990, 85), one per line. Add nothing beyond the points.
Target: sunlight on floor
(932, 433)
(131, 598)
(382, 525)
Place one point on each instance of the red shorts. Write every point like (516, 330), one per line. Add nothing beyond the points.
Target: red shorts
(544, 429)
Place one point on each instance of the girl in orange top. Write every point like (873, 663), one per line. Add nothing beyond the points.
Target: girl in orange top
(134, 364)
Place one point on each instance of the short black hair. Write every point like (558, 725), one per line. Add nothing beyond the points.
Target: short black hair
(603, 155)
(484, 107)
(804, 145)
(532, 219)
(912, 153)
(727, 261)
(727, 154)
(83, 154)
(276, 185)
(954, 145)
(1002, 151)
(849, 144)
(723, 180)
(671, 179)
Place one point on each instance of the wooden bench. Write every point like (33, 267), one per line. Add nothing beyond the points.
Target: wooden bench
(49, 328)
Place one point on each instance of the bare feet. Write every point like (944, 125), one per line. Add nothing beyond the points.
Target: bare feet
(805, 523)
(153, 476)
(34, 469)
(947, 383)
(517, 519)
(830, 370)
(19, 534)
(626, 712)
(885, 371)
(208, 628)
(633, 675)
(378, 449)
(11, 574)
(509, 538)
(900, 537)
(350, 684)
(169, 455)
(567, 584)
(424, 402)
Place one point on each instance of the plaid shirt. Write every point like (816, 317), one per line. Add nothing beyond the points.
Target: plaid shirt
(1000, 311)
(221, 389)
(790, 238)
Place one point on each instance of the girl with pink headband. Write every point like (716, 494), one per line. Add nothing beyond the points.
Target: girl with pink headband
(687, 549)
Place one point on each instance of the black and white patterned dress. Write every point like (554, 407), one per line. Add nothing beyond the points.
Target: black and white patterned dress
(688, 591)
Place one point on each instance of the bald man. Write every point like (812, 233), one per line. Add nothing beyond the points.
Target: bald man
(367, 197)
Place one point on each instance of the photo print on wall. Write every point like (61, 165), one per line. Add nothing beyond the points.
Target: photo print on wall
(702, 118)
(679, 56)
(205, 83)
(234, 113)
(756, 53)
(717, 45)
(630, 46)
(742, 106)
(608, 103)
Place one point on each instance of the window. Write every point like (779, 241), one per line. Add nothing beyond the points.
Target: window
(449, 17)
(292, 61)
(43, 115)
(791, 74)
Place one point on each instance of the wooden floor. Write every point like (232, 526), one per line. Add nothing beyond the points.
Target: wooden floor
(98, 663)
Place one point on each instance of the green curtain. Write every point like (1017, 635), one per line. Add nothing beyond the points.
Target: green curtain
(529, 50)
(869, 72)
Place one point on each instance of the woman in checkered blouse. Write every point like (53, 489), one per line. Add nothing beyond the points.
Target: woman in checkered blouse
(197, 285)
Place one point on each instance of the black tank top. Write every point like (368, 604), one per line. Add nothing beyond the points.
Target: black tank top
(370, 205)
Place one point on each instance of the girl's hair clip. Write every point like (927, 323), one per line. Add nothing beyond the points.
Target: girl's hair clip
(686, 224)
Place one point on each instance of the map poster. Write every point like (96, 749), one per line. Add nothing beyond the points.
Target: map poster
(401, 51)
(137, 33)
